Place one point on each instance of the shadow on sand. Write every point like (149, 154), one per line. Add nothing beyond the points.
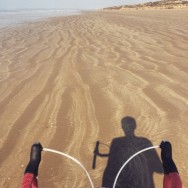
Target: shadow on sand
(139, 171)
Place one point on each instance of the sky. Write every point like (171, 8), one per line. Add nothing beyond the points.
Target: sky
(64, 4)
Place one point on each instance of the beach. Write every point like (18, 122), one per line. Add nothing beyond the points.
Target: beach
(68, 81)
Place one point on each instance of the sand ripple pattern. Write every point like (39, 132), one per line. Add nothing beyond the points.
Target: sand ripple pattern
(68, 82)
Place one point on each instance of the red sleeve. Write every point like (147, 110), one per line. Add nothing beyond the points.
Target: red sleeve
(172, 180)
(29, 181)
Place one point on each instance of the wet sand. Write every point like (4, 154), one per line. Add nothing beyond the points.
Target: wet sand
(68, 82)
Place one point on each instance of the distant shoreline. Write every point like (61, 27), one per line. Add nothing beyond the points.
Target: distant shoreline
(43, 10)
(20, 17)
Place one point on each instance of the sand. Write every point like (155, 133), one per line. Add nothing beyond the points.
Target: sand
(68, 82)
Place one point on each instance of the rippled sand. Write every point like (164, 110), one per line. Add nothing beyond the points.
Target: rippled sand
(68, 82)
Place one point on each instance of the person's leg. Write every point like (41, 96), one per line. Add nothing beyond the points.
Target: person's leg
(31, 172)
(171, 175)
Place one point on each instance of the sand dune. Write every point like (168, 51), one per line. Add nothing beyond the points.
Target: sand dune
(160, 4)
(69, 81)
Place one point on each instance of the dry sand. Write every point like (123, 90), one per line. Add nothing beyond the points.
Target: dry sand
(68, 82)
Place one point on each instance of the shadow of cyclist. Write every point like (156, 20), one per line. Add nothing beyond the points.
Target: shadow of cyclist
(139, 171)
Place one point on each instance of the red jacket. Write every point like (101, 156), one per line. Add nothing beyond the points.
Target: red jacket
(29, 181)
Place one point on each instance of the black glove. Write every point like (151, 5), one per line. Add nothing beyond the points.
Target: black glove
(166, 150)
(35, 158)
(166, 156)
(35, 154)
